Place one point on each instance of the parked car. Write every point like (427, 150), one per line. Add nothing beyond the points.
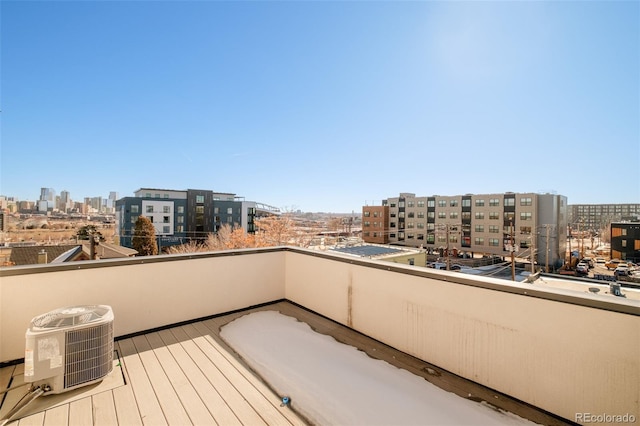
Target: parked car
(582, 268)
(612, 264)
(600, 260)
(621, 271)
(588, 261)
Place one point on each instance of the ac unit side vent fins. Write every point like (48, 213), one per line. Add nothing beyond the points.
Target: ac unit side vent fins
(88, 354)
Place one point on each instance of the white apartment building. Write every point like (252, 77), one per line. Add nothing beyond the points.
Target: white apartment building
(488, 224)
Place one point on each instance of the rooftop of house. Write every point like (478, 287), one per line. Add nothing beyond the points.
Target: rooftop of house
(188, 374)
(518, 347)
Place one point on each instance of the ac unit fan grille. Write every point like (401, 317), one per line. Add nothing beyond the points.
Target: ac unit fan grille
(89, 354)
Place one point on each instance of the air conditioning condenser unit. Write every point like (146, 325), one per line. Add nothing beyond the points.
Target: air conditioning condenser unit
(69, 347)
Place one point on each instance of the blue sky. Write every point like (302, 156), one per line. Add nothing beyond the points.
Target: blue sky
(321, 106)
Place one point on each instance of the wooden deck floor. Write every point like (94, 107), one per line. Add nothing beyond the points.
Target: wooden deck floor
(188, 375)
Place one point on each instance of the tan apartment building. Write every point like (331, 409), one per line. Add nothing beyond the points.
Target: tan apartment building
(487, 224)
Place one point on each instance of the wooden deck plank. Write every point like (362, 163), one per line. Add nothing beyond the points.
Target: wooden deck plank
(81, 412)
(193, 405)
(5, 376)
(126, 406)
(104, 409)
(222, 414)
(171, 405)
(150, 410)
(265, 401)
(32, 420)
(198, 348)
(57, 416)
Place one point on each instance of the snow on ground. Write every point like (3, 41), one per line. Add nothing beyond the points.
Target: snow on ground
(335, 384)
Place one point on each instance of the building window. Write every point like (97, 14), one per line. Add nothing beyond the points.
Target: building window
(410, 236)
(400, 206)
(420, 204)
(420, 225)
(230, 210)
(392, 205)
(166, 195)
(509, 216)
(442, 203)
(180, 209)
(479, 203)
(410, 225)
(366, 234)
(166, 229)
(179, 228)
(525, 229)
(199, 199)
(229, 219)
(411, 214)
(375, 214)
(494, 215)
(367, 223)
(454, 203)
(410, 204)
(478, 241)
(494, 202)
(366, 214)
(525, 215)
(134, 219)
(401, 214)
(524, 244)
(392, 235)
(442, 215)
(442, 239)
(624, 243)
(525, 201)
(156, 195)
(421, 236)
(135, 209)
(147, 194)
(494, 229)
(453, 215)
(466, 203)
(166, 209)
(479, 228)
(509, 202)
(420, 215)
(392, 225)
(431, 215)
(479, 215)
(149, 209)
(494, 242)
(431, 238)
(180, 219)
(431, 203)
(165, 219)
(466, 215)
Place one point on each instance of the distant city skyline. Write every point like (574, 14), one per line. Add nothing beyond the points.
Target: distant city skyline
(322, 106)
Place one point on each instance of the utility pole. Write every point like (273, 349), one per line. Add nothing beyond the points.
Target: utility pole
(513, 260)
(546, 256)
(448, 261)
(533, 250)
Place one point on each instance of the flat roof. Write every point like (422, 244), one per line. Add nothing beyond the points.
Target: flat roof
(366, 251)
(187, 374)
